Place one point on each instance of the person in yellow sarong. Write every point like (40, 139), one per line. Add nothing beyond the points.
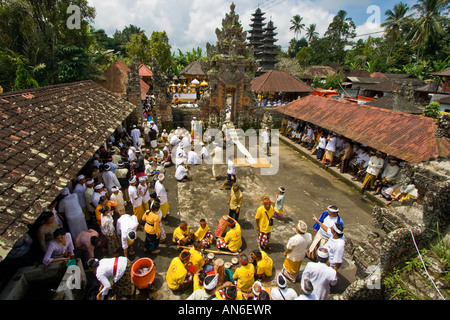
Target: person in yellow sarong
(180, 272)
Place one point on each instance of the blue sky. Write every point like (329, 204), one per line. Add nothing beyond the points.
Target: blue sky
(192, 23)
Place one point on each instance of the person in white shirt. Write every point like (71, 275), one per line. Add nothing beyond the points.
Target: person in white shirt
(336, 246)
(266, 141)
(126, 227)
(282, 292)
(80, 189)
(217, 154)
(204, 154)
(114, 275)
(373, 169)
(296, 251)
(388, 177)
(135, 135)
(231, 173)
(164, 136)
(110, 179)
(73, 213)
(144, 193)
(181, 174)
(330, 149)
(180, 155)
(193, 158)
(321, 147)
(161, 193)
(135, 196)
(321, 275)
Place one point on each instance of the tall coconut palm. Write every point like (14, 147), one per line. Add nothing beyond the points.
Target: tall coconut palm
(297, 25)
(395, 21)
(311, 32)
(429, 21)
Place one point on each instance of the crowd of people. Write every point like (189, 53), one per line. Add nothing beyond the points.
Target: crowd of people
(129, 171)
(376, 171)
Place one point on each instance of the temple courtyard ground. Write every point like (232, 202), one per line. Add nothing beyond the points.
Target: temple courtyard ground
(309, 190)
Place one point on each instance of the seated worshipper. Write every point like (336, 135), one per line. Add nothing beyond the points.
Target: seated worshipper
(204, 234)
(167, 148)
(264, 223)
(401, 193)
(233, 238)
(258, 292)
(166, 160)
(295, 251)
(320, 274)
(107, 229)
(336, 246)
(282, 292)
(203, 154)
(182, 173)
(180, 272)
(197, 259)
(60, 248)
(164, 136)
(359, 164)
(228, 291)
(193, 158)
(263, 264)
(374, 166)
(86, 242)
(279, 202)
(306, 291)
(71, 209)
(183, 235)
(152, 232)
(388, 176)
(208, 290)
(245, 274)
(231, 173)
(327, 219)
(235, 202)
(126, 227)
(114, 274)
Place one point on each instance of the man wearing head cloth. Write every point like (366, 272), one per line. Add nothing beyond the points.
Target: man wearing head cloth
(245, 274)
(336, 246)
(263, 264)
(126, 229)
(70, 208)
(209, 288)
(388, 176)
(80, 189)
(321, 226)
(307, 291)
(162, 195)
(296, 251)
(180, 272)
(320, 274)
(233, 238)
(374, 167)
(136, 198)
(88, 193)
(264, 223)
(283, 292)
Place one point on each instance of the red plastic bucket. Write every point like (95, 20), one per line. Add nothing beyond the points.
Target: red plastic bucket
(143, 280)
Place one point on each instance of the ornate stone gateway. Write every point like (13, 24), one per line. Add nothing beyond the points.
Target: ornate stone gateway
(230, 67)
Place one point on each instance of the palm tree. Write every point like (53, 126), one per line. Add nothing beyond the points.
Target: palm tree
(395, 22)
(311, 32)
(297, 25)
(429, 21)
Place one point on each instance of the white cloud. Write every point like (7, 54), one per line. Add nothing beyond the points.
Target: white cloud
(192, 23)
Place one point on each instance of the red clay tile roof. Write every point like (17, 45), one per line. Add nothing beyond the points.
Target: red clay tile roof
(145, 71)
(406, 136)
(385, 86)
(279, 81)
(46, 136)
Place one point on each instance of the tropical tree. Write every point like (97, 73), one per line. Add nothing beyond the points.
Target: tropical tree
(296, 25)
(160, 50)
(24, 80)
(339, 32)
(429, 22)
(139, 46)
(311, 32)
(395, 23)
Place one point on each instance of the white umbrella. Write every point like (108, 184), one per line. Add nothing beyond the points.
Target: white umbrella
(195, 81)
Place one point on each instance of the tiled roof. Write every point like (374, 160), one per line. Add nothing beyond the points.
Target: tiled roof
(279, 81)
(406, 136)
(46, 136)
(444, 73)
(385, 86)
(394, 101)
(145, 71)
(318, 71)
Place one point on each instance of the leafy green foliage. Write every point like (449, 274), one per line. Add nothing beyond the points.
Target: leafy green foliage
(23, 78)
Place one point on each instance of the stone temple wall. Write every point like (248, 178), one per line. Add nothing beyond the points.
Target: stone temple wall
(405, 225)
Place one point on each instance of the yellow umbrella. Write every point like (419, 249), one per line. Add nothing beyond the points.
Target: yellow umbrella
(204, 83)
